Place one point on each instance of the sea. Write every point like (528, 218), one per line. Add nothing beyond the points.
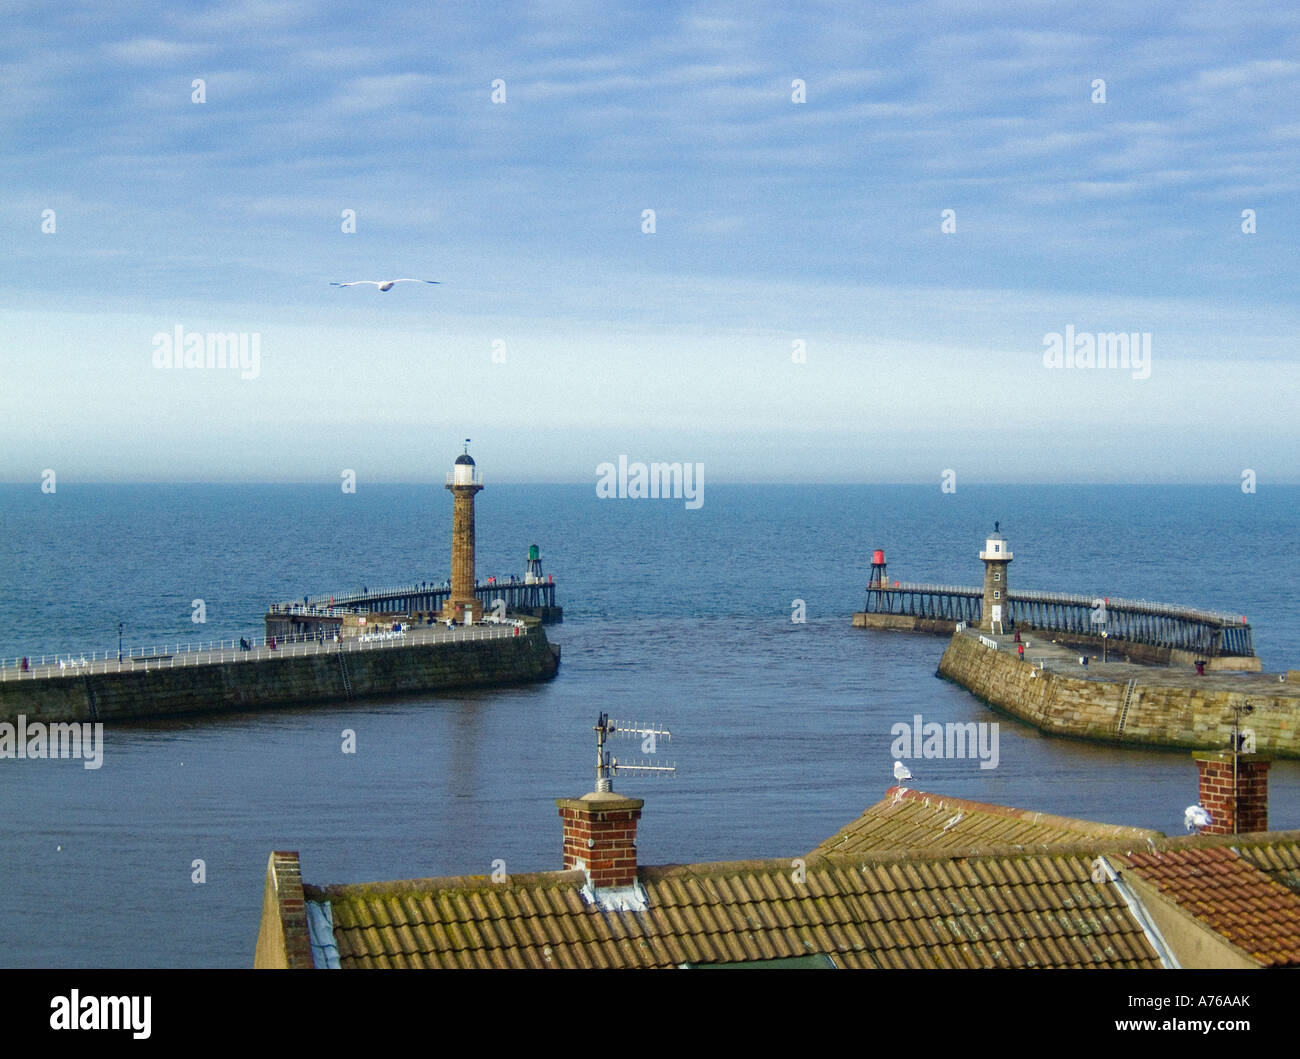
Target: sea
(675, 617)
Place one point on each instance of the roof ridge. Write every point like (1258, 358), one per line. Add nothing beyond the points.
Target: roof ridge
(1245, 838)
(877, 857)
(570, 877)
(1118, 844)
(943, 801)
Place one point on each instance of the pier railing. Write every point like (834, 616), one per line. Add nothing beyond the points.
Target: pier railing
(144, 659)
(1135, 620)
(423, 596)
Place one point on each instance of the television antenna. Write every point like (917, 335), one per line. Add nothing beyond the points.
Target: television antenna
(608, 766)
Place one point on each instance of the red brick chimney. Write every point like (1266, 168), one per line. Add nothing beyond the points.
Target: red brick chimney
(1248, 811)
(600, 836)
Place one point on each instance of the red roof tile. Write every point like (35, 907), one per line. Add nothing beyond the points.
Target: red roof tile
(1230, 895)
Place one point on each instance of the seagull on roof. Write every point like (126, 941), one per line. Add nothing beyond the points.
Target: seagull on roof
(384, 284)
(901, 772)
(1196, 818)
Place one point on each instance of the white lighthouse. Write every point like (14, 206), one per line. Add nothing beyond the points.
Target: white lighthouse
(997, 557)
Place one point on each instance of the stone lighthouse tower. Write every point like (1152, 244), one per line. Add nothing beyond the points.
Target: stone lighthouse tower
(996, 556)
(464, 482)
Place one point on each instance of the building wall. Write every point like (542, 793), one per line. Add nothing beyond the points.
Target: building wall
(271, 682)
(1186, 716)
(283, 939)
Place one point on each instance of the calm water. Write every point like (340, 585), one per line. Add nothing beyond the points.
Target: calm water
(781, 732)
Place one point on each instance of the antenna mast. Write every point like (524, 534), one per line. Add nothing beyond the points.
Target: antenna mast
(608, 766)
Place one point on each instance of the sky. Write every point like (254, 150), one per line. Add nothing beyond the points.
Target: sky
(800, 306)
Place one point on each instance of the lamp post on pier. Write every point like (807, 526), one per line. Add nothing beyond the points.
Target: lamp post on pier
(120, 626)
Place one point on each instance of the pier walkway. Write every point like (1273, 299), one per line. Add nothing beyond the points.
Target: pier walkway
(1046, 656)
(424, 597)
(1191, 629)
(145, 659)
(1123, 702)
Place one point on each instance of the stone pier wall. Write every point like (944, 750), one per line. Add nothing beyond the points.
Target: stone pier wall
(266, 683)
(1191, 716)
(903, 622)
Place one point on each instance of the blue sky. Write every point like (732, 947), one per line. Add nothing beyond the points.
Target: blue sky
(776, 223)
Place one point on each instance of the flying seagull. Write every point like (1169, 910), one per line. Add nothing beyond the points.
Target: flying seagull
(1196, 818)
(901, 772)
(384, 284)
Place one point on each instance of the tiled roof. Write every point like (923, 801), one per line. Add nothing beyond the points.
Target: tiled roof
(1020, 911)
(535, 920)
(910, 819)
(1230, 895)
(1279, 860)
